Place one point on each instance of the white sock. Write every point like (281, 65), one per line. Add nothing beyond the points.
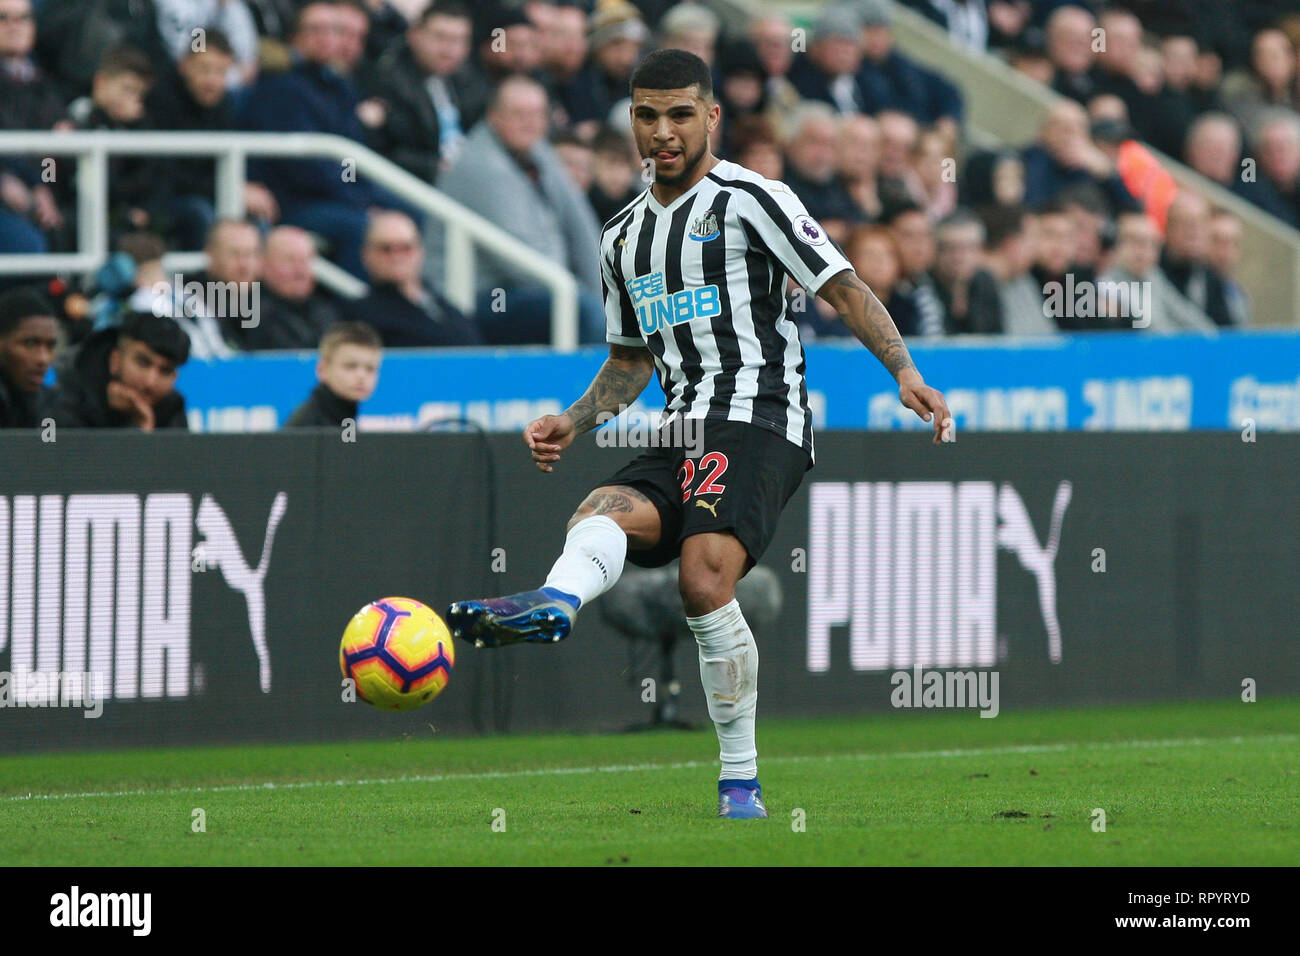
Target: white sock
(592, 560)
(729, 673)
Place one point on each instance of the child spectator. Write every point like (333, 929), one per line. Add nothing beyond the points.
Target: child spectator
(348, 371)
(132, 280)
(137, 186)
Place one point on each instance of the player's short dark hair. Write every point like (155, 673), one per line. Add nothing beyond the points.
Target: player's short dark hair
(22, 303)
(123, 58)
(158, 332)
(453, 9)
(672, 70)
(349, 333)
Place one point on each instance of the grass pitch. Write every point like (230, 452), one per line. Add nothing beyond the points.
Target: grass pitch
(1205, 783)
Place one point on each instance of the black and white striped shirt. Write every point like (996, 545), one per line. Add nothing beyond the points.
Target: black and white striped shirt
(701, 283)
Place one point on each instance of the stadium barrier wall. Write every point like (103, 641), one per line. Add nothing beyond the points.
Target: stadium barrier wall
(208, 578)
(1099, 382)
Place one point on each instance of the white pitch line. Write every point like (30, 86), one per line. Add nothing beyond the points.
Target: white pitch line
(684, 765)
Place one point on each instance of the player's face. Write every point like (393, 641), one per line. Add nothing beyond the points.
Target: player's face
(672, 129)
(27, 352)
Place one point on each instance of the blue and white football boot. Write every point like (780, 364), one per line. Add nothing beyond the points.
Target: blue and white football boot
(741, 800)
(542, 616)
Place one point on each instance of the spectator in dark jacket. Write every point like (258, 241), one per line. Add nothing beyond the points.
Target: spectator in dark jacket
(1213, 149)
(28, 100)
(1179, 102)
(897, 82)
(615, 33)
(1065, 156)
(1056, 268)
(404, 310)
(316, 194)
(124, 377)
(1070, 41)
(29, 334)
(564, 54)
(506, 43)
(874, 252)
(428, 97)
(811, 169)
(347, 370)
(914, 239)
(969, 293)
(1223, 253)
(200, 103)
(1277, 142)
(1184, 259)
(294, 312)
(830, 71)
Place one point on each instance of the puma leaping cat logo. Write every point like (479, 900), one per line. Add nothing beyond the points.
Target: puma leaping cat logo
(713, 508)
(222, 551)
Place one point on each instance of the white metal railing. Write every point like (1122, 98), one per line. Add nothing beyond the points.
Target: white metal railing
(463, 228)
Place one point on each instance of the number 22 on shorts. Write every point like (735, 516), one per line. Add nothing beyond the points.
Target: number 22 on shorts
(715, 464)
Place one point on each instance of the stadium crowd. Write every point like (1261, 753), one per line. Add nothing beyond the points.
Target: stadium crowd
(518, 110)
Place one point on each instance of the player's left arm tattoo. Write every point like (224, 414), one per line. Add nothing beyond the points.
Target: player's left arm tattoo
(868, 319)
(870, 322)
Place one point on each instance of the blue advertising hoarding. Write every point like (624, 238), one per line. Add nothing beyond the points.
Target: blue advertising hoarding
(1100, 382)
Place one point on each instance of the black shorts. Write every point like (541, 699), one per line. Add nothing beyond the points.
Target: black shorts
(737, 479)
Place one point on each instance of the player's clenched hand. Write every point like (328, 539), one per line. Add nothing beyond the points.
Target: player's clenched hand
(927, 402)
(547, 437)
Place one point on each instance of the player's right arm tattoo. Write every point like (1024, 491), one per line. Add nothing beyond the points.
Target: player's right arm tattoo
(868, 319)
(620, 380)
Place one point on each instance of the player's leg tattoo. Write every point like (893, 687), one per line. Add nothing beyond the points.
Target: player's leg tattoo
(618, 500)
